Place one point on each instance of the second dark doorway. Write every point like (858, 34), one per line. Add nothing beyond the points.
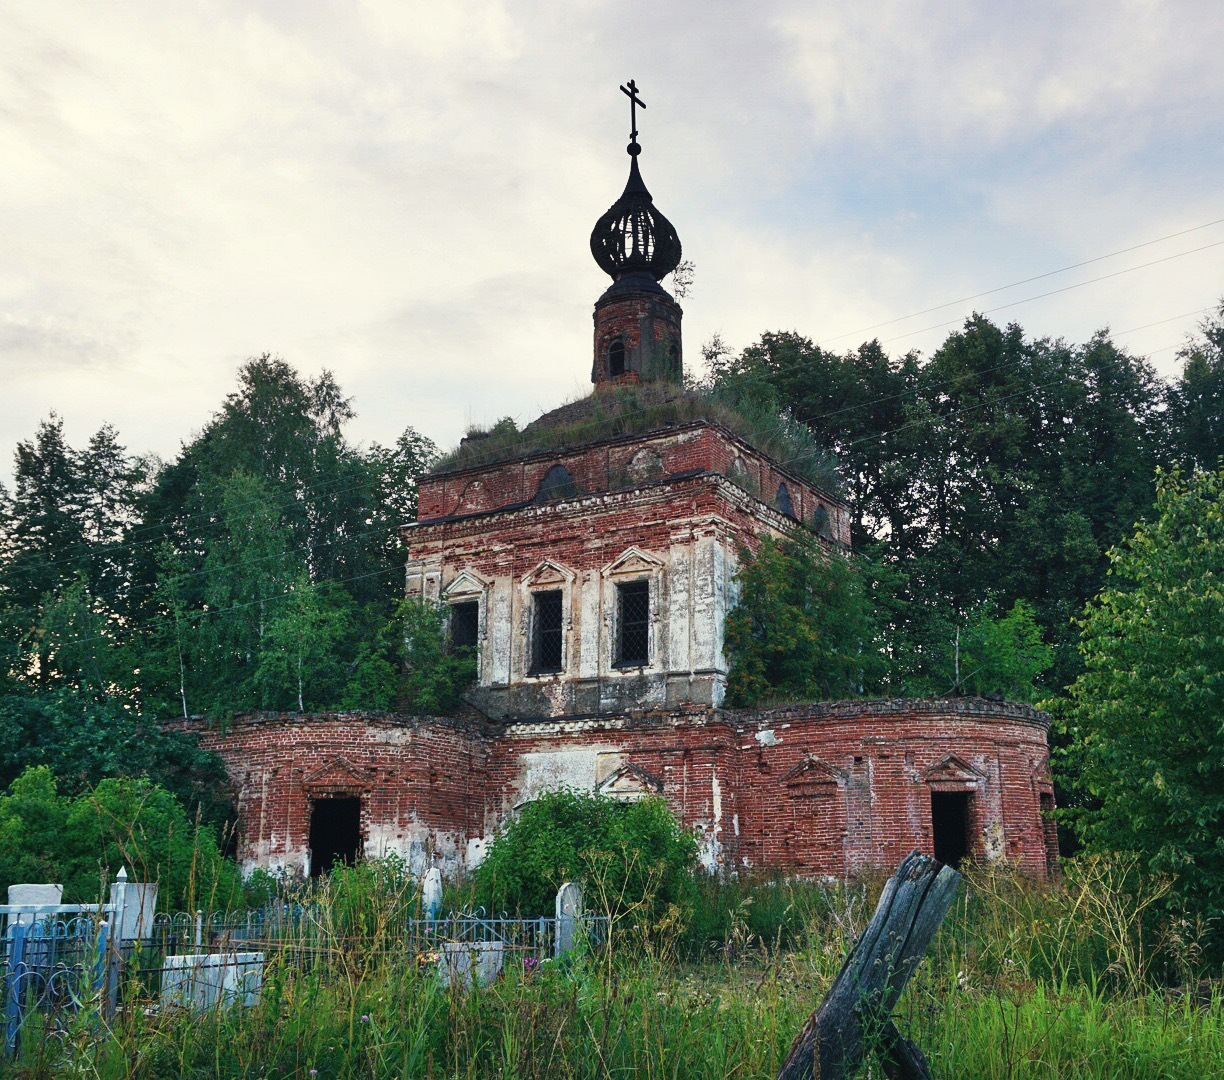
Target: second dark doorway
(950, 820)
(335, 834)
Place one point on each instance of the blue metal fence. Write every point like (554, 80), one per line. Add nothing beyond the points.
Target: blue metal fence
(56, 960)
(53, 962)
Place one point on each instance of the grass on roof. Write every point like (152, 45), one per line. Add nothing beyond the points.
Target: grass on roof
(635, 410)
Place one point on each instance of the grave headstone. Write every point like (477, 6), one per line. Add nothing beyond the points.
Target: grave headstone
(210, 980)
(466, 962)
(28, 894)
(569, 915)
(139, 905)
(431, 893)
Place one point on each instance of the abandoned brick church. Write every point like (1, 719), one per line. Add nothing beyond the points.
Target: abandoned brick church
(592, 576)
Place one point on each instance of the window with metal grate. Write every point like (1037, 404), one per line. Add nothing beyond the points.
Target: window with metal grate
(465, 625)
(546, 632)
(633, 623)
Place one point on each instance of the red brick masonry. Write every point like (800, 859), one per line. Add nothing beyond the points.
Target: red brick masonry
(812, 790)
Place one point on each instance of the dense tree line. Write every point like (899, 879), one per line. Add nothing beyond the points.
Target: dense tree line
(257, 569)
(1000, 470)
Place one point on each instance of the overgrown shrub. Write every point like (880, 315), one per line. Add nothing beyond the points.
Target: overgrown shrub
(802, 629)
(435, 676)
(626, 855)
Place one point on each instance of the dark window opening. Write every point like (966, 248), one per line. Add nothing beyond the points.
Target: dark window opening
(782, 501)
(558, 483)
(950, 822)
(547, 632)
(616, 358)
(821, 524)
(673, 356)
(633, 623)
(335, 834)
(464, 625)
(1050, 832)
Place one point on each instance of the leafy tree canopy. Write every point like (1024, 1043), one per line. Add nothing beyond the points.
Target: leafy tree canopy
(1000, 469)
(1147, 715)
(1196, 400)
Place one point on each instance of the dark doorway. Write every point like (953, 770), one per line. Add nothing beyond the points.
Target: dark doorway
(335, 834)
(950, 823)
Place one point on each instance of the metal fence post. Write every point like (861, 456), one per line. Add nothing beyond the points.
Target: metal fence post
(14, 987)
(114, 968)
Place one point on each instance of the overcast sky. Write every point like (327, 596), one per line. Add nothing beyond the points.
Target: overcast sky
(403, 192)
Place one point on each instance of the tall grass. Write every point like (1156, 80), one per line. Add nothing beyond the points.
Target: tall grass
(1023, 981)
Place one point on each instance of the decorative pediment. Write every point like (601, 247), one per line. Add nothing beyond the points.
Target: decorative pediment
(549, 573)
(954, 770)
(630, 783)
(467, 586)
(633, 560)
(338, 775)
(812, 776)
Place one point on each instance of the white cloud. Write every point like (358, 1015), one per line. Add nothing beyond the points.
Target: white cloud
(402, 192)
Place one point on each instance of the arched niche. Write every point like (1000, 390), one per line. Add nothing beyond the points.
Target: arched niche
(558, 483)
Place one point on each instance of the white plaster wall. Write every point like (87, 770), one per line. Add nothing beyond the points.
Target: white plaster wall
(551, 770)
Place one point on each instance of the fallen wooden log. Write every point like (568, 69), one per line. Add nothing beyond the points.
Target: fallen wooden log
(854, 1018)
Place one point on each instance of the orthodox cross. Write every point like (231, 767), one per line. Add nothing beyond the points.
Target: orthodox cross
(631, 92)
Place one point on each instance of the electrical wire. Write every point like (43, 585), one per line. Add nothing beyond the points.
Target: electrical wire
(1026, 281)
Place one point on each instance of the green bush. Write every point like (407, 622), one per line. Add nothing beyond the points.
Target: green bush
(626, 856)
(435, 676)
(81, 842)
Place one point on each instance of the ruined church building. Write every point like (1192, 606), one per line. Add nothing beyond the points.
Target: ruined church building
(593, 581)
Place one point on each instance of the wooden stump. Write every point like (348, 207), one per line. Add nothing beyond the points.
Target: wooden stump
(854, 1017)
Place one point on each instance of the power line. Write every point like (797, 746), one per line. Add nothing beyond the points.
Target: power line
(1065, 288)
(1026, 281)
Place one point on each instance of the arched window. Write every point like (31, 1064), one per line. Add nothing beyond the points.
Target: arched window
(557, 484)
(821, 524)
(782, 501)
(616, 358)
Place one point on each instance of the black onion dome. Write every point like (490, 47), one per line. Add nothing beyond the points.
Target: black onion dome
(632, 237)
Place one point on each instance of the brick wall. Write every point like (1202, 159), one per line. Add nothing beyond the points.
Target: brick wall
(420, 782)
(829, 789)
(629, 462)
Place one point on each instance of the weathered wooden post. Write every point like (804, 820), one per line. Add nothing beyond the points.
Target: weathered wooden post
(854, 1016)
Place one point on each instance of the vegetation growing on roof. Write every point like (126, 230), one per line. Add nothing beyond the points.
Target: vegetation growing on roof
(635, 410)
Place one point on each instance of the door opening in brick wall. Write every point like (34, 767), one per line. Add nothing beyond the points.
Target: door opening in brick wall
(951, 818)
(335, 834)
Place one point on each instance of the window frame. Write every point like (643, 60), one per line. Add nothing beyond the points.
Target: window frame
(624, 357)
(536, 641)
(473, 604)
(619, 659)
